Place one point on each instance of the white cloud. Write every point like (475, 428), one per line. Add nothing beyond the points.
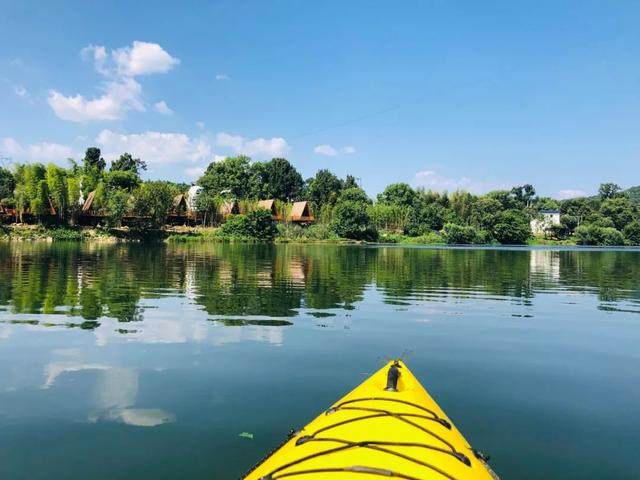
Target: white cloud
(98, 54)
(195, 172)
(429, 179)
(348, 150)
(326, 150)
(20, 91)
(219, 158)
(162, 107)
(275, 147)
(121, 92)
(143, 58)
(155, 147)
(222, 76)
(11, 147)
(331, 151)
(38, 152)
(120, 96)
(570, 193)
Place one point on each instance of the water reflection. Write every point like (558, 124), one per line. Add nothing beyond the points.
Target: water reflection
(150, 360)
(235, 283)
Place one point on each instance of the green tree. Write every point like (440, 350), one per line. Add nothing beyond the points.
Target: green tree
(399, 194)
(608, 190)
(93, 160)
(154, 200)
(425, 218)
(126, 163)
(485, 212)
(512, 228)
(632, 233)
(122, 179)
(7, 183)
(524, 195)
(232, 175)
(56, 178)
(596, 235)
(354, 194)
(118, 204)
(323, 189)
(277, 179)
(455, 234)
(351, 219)
(619, 209)
(256, 224)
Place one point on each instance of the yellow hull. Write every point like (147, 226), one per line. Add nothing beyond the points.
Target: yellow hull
(377, 432)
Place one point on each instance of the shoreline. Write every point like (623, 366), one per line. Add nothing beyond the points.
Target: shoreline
(38, 233)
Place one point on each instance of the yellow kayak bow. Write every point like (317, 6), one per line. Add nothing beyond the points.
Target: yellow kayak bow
(388, 426)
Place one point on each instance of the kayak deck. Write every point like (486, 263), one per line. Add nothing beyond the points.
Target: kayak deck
(388, 426)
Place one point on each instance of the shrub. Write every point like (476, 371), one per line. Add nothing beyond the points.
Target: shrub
(430, 238)
(425, 219)
(256, 224)
(632, 233)
(455, 234)
(65, 235)
(512, 228)
(596, 235)
(351, 220)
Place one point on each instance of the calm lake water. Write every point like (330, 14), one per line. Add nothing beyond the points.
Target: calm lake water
(146, 362)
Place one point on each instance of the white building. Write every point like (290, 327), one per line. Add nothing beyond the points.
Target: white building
(546, 219)
(192, 197)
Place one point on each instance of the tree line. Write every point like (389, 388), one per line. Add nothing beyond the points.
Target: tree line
(341, 207)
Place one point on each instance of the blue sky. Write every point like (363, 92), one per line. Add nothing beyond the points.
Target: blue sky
(473, 95)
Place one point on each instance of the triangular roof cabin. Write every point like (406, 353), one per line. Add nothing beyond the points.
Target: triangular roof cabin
(271, 206)
(300, 212)
(180, 203)
(229, 207)
(268, 205)
(86, 208)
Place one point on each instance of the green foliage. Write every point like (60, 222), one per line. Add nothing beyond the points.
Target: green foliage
(354, 194)
(634, 195)
(256, 224)
(126, 163)
(455, 234)
(277, 179)
(230, 176)
(431, 238)
(154, 200)
(425, 219)
(596, 235)
(118, 204)
(122, 179)
(524, 195)
(7, 183)
(632, 233)
(608, 190)
(323, 189)
(512, 228)
(56, 179)
(93, 160)
(351, 220)
(390, 217)
(619, 209)
(399, 194)
(62, 234)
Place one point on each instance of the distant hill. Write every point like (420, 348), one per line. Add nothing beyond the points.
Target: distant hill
(634, 194)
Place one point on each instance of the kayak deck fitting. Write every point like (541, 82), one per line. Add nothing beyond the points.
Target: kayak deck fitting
(388, 426)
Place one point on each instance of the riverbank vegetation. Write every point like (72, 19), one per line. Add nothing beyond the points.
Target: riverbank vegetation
(59, 200)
